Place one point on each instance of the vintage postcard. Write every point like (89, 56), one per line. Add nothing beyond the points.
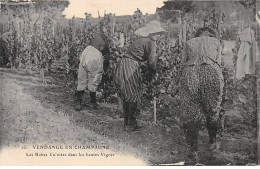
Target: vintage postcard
(129, 82)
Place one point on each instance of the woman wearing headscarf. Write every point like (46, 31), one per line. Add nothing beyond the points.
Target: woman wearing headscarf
(90, 71)
(128, 74)
(201, 87)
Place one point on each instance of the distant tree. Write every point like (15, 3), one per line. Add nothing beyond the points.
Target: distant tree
(172, 9)
(248, 3)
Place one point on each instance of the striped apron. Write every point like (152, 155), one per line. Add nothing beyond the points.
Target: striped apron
(128, 80)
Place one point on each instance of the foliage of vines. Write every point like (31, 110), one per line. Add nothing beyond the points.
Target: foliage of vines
(44, 43)
(77, 39)
(169, 56)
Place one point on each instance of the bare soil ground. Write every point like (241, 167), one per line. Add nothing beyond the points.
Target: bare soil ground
(33, 113)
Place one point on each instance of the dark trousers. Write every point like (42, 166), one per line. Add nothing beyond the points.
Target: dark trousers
(130, 109)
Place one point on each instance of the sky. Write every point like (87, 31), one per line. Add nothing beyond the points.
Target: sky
(78, 8)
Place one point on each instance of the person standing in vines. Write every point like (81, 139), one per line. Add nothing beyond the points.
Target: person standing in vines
(91, 68)
(201, 88)
(3, 49)
(128, 74)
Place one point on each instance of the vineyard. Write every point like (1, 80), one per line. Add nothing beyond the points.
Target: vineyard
(54, 49)
(44, 43)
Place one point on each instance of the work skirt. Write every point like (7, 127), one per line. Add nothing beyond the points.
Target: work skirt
(201, 90)
(128, 80)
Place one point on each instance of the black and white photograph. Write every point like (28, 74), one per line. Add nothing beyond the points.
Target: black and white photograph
(129, 82)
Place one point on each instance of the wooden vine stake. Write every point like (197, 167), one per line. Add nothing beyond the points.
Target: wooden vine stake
(184, 32)
(42, 69)
(258, 104)
(180, 31)
(113, 24)
(184, 36)
(73, 28)
(219, 24)
(154, 110)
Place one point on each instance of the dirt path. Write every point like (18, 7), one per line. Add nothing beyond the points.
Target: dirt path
(24, 121)
(45, 114)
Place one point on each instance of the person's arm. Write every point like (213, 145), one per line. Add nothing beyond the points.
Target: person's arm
(152, 59)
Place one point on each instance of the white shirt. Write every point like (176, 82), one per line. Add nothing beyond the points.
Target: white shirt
(90, 54)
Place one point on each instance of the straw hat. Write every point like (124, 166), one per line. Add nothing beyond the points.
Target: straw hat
(151, 28)
(142, 32)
